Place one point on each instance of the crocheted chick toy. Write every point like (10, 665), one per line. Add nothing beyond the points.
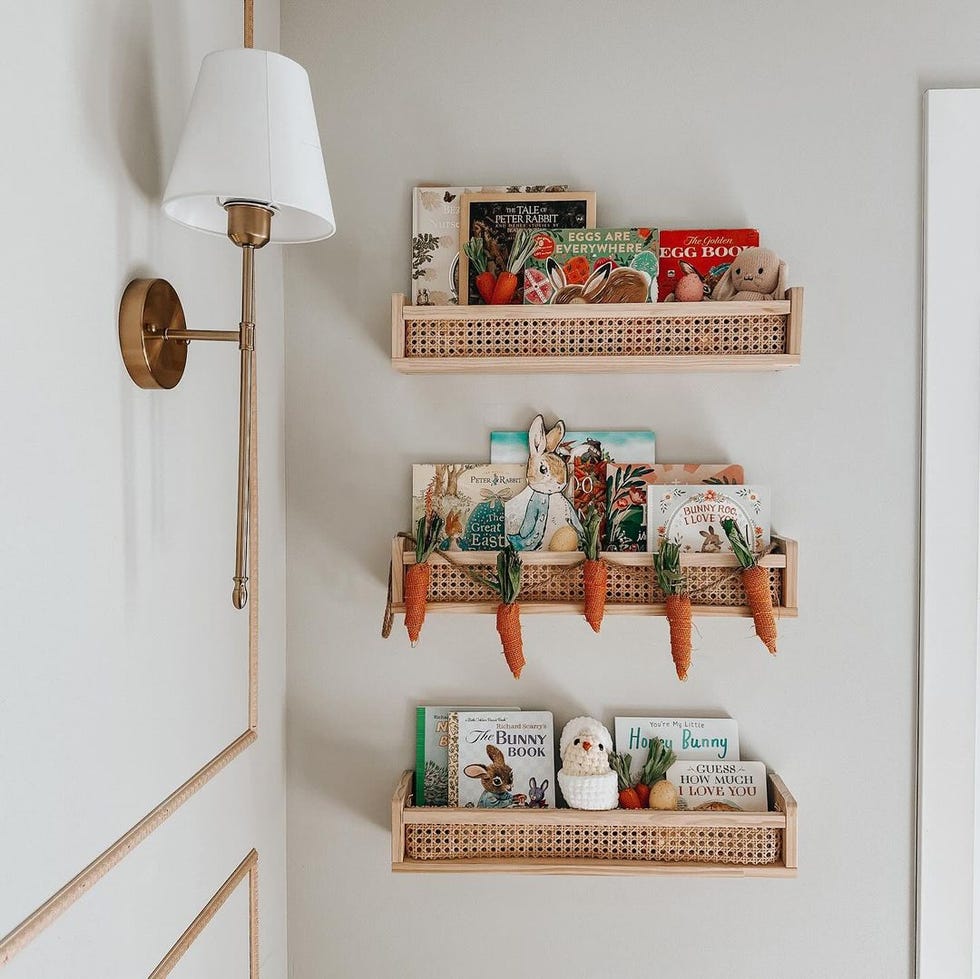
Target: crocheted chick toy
(585, 746)
(755, 274)
(587, 781)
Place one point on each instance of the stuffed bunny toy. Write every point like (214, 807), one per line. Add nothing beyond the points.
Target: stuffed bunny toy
(497, 779)
(541, 508)
(755, 274)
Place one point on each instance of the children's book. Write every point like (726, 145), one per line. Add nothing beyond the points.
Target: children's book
(691, 738)
(435, 240)
(502, 759)
(470, 499)
(692, 515)
(704, 253)
(432, 754)
(626, 495)
(593, 265)
(736, 786)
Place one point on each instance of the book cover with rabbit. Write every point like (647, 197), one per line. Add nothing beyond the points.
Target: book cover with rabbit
(691, 516)
(502, 759)
(593, 265)
(704, 253)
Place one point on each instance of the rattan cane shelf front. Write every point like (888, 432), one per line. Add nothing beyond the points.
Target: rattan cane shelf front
(706, 336)
(552, 581)
(572, 841)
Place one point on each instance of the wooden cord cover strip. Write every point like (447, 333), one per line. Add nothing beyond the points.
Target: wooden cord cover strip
(761, 330)
(719, 839)
(39, 919)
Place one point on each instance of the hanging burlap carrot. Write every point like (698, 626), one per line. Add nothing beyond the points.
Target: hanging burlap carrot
(667, 563)
(755, 581)
(428, 533)
(594, 571)
(507, 584)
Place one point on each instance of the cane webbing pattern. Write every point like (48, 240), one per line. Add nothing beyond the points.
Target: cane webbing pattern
(737, 845)
(598, 334)
(626, 585)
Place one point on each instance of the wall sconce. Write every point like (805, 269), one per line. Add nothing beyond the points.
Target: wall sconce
(250, 166)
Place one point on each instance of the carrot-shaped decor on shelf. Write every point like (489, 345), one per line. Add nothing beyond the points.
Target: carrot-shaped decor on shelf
(520, 252)
(428, 533)
(485, 280)
(620, 763)
(755, 581)
(507, 584)
(667, 563)
(594, 572)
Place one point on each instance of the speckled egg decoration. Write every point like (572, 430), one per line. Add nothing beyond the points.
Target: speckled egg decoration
(689, 289)
(564, 539)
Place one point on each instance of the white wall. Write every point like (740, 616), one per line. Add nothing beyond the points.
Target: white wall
(802, 119)
(123, 663)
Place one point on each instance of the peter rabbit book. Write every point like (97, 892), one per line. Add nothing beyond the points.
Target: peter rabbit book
(469, 498)
(690, 738)
(626, 495)
(592, 265)
(692, 516)
(435, 240)
(733, 786)
(502, 759)
(589, 454)
(495, 220)
(706, 254)
(432, 754)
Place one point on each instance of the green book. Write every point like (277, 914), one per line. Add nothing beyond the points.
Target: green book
(432, 754)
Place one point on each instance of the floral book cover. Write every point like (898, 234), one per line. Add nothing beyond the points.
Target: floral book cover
(589, 453)
(470, 498)
(704, 253)
(592, 265)
(502, 759)
(626, 495)
(435, 240)
(733, 786)
(692, 516)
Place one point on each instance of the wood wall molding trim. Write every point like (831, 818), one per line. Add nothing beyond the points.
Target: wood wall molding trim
(39, 919)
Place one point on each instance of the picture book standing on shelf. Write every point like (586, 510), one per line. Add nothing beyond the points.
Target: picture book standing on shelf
(690, 738)
(691, 516)
(704, 786)
(704, 254)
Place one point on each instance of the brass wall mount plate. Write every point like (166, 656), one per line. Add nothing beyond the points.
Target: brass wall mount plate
(148, 309)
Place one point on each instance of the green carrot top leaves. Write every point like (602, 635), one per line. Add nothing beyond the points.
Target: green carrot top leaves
(476, 254)
(591, 527)
(507, 581)
(667, 563)
(739, 543)
(659, 759)
(428, 533)
(520, 251)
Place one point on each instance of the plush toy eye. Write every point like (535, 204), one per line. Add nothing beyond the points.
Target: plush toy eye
(738, 271)
(601, 748)
(761, 271)
(576, 740)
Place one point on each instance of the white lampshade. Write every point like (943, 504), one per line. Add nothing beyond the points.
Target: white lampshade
(251, 135)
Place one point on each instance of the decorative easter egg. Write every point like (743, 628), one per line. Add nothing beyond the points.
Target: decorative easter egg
(663, 795)
(689, 289)
(537, 286)
(564, 539)
(646, 261)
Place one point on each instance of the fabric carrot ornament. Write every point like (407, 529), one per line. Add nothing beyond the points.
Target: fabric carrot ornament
(485, 280)
(520, 252)
(755, 581)
(507, 584)
(667, 564)
(428, 533)
(594, 573)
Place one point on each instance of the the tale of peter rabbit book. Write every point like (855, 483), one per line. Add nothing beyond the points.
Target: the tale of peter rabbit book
(626, 495)
(470, 498)
(592, 265)
(692, 515)
(432, 754)
(435, 240)
(502, 759)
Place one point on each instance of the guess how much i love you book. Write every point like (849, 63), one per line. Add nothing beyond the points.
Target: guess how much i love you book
(502, 759)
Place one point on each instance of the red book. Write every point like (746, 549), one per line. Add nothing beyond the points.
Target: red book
(706, 253)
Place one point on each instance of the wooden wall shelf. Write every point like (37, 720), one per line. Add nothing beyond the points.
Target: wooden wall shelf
(552, 582)
(641, 337)
(572, 841)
